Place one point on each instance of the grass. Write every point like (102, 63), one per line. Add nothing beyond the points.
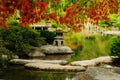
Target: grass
(92, 47)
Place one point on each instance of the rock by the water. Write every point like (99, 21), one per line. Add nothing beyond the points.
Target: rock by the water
(84, 63)
(36, 53)
(104, 59)
(25, 61)
(53, 67)
(93, 62)
(107, 66)
(50, 49)
(98, 73)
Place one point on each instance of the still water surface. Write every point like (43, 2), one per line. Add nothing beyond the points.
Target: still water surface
(19, 73)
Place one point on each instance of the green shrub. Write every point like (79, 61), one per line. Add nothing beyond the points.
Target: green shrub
(20, 40)
(5, 54)
(49, 36)
(4, 51)
(54, 25)
(115, 47)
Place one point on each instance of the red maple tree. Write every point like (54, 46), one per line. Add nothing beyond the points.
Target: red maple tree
(33, 11)
(30, 12)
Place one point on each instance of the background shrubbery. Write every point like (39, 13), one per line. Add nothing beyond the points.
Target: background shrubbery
(20, 40)
(89, 47)
(49, 36)
(73, 40)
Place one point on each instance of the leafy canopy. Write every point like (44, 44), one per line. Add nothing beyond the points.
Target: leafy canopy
(73, 12)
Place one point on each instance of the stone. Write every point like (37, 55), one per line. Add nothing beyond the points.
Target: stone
(25, 61)
(50, 49)
(84, 63)
(15, 57)
(4, 57)
(107, 66)
(53, 67)
(93, 62)
(104, 59)
(116, 70)
(51, 52)
(98, 73)
(19, 61)
(36, 53)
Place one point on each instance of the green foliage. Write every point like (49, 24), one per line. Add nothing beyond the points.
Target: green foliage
(49, 36)
(54, 25)
(92, 47)
(114, 21)
(115, 47)
(20, 40)
(59, 7)
(103, 23)
(4, 52)
(73, 40)
(117, 24)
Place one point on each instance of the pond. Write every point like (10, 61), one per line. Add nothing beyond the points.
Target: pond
(19, 73)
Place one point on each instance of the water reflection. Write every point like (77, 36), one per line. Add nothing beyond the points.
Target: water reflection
(15, 73)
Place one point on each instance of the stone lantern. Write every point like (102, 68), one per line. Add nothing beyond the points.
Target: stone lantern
(57, 51)
(59, 40)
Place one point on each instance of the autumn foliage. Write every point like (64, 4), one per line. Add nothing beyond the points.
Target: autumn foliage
(104, 8)
(30, 12)
(33, 11)
(71, 18)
